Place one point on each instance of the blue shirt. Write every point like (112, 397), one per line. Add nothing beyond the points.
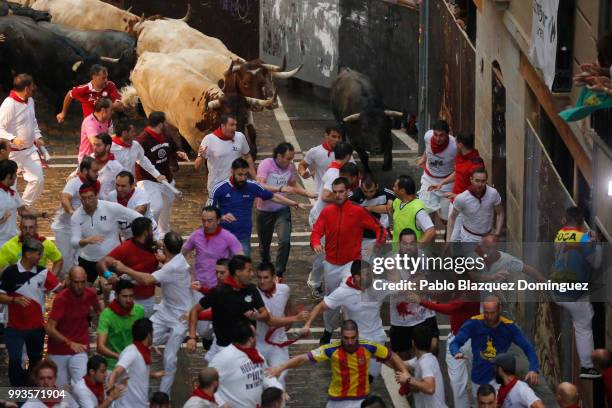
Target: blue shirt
(488, 342)
(239, 202)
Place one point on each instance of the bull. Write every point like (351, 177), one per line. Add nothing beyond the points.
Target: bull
(55, 62)
(358, 106)
(192, 102)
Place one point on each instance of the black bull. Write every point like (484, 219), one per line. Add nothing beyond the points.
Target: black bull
(358, 107)
(51, 59)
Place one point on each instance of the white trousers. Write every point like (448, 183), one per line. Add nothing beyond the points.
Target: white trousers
(69, 253)
(161, 203)
(28, 160)
(459, 371)
(333, 276)
(274, 356)
(315, 278)
(147, 304)
(70, 368)
(582, 318)
(172, 336)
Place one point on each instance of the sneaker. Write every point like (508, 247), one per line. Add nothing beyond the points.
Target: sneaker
(589, 373)
(317, 292)
(325, 338)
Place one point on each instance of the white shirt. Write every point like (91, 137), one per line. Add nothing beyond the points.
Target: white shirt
(9, 204)
(427, 366)
(139, 198)
(67, 402)
(137, 393)
(104, 221)
(477, 213)
(220, 154)
(439, 165)
(361, 306)
(241, 382)
(520, 396)
(276, 307)
(177, 296)
(19, 120)
(327, 180)
(412, 313)
(318, 160)
(129, 156)
(62, 218)
(83, 395)
(107, 175)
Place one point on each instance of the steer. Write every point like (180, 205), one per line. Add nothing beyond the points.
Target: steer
(55, 63)
(192, 102)
(367, 124)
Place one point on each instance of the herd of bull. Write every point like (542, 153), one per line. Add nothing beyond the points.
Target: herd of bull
(166, 65)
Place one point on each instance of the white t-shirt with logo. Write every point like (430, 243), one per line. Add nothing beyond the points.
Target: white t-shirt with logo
(477, 213)
(520, 396)
(139, 198)
(137, 393)
(276, 307)
(177, 295)
(220, 154)
(441, 164)
(318, 160)
(427, 366)
(329, 176)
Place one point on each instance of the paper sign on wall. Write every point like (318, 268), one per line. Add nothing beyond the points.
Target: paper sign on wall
(543, 49)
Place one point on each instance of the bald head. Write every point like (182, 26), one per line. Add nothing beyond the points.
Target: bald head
(602, 358)
(77, 280)
(491, 309)
(567, 394)
(208, 377)
(489, 240)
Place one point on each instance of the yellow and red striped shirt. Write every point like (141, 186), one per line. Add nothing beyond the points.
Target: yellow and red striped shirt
(349, 370)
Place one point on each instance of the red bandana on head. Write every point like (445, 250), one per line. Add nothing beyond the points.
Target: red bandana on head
(7, 189)
(252, 353)
(117, 140)
(124, 201)
(436, 148)
(219, 133)
(157, 136)
(329, 149)
(118, 310)
(13, 95)
(144, 351)
(200, 393)
(504, 390)
(95, 388)
(102, 162)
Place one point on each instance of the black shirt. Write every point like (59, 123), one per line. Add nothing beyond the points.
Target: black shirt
(381, 196)
(228, 307)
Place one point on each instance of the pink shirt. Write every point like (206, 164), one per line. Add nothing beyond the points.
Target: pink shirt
(89, 128)
(276, 177)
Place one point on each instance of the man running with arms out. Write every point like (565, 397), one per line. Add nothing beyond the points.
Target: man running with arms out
(350, 362)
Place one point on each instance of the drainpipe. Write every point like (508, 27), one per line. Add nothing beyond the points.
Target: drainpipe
(423, 115)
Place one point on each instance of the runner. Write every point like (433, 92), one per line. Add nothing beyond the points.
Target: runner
(203, 395)
(272, 398)
(407, 211)
(89, 392)
(513, 393)
(486, 397)
(108, 166)
(316, 161)
(126, 194)
(99, 121)
(44, 374)
(350, 362)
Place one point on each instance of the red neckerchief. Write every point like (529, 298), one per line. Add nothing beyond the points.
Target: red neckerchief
(157, 136)
(96, 389)
(117, 140)
(214, 234)
(351, 284)
(102, 162)
(7, 189)
(489, 259)
(37, 237)
(335, 165)
(269, 293)
(252, 353)
(329, 149)
(436, 148)
(231, 281)
(16, 97)
(200, 393)
(504, 390)
(473, 192)
(219, 133)
(124, 201)
(144, 351)
(118, 310)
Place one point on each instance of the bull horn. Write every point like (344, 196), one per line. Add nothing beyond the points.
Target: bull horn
(393, 114)
(276, 68)
(352, 118)
(261, 103)
(216, 104)
(76, 65)
(109, 59)
(255, 71)
(234, 68)
(129, 9)
(188, 14)
(287, 74)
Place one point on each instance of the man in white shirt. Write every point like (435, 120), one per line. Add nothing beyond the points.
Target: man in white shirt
(95, 228)
(427, 383)
(438, 162)
(89, 392)
(128, 151)
(241, 370)
(513, 393)
(271, 337)
(317, 159)
(221, 148)
(109, 167)
(69, 202)
(343, 152)
(126, 194)
(135, 364)
(203, 394)
(45, 375)
(177, 300)
(477, 204)
(18, 124)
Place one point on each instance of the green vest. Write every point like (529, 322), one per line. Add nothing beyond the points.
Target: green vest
(405, 217)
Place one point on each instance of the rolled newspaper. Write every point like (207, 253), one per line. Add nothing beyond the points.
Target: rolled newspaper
(174, 190)
(45, 153)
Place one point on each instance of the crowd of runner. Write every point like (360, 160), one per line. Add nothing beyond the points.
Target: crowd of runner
(114, 245)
